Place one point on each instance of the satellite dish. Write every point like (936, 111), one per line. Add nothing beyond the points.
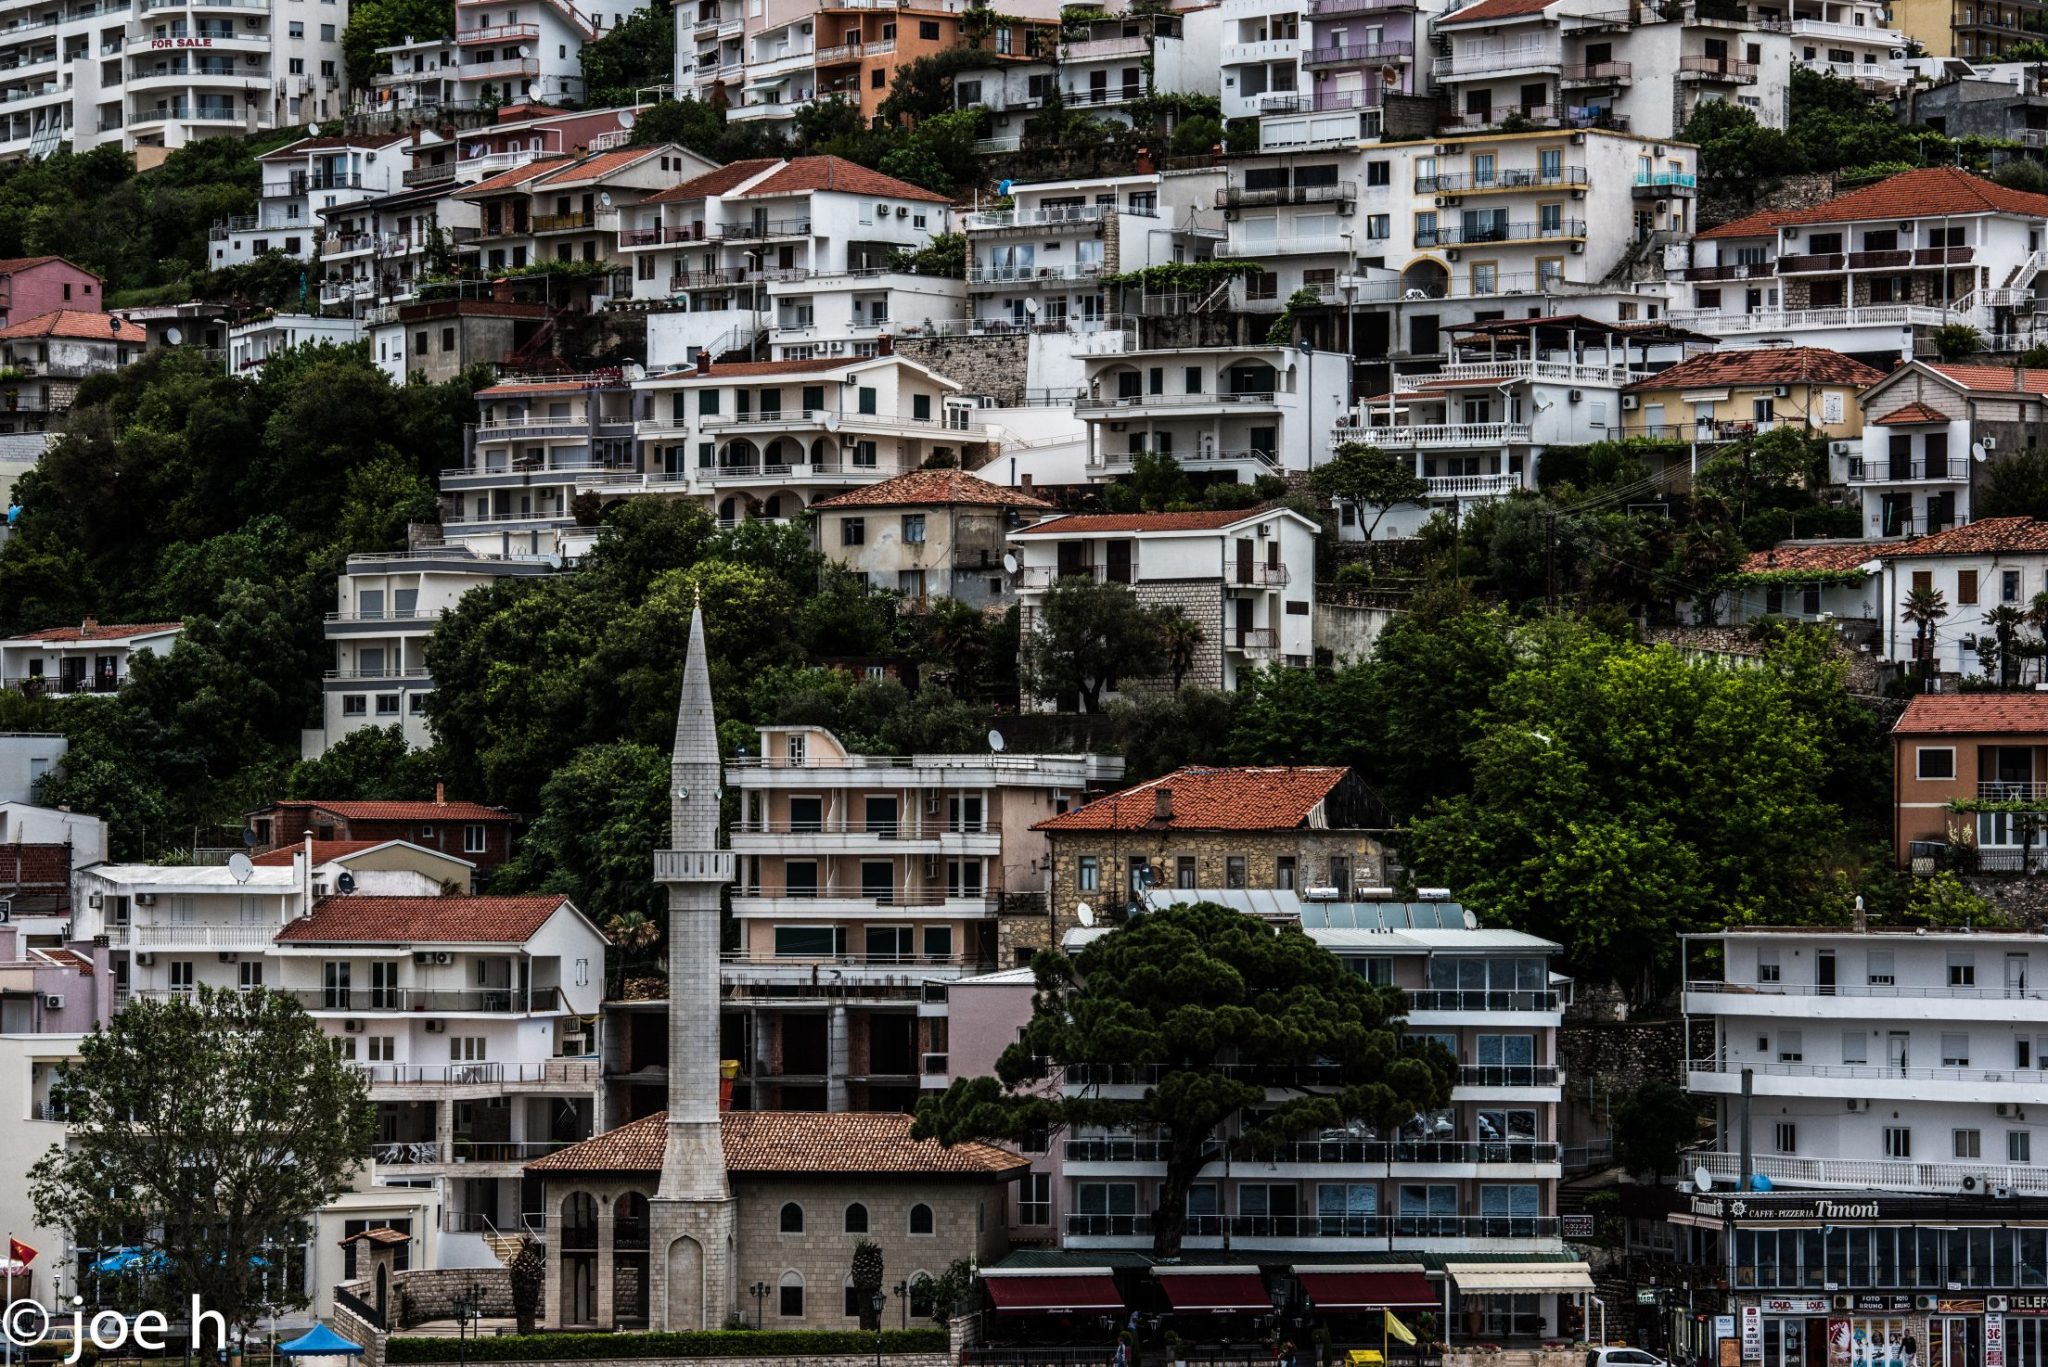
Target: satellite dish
(172, 336)
(249, 837)
(604, 197)
(1084, 913)
(532, 91)
(995, 741)
(239, 867)
(627, 118)
(345, 882)
(1471, 920)
(312, 130)
(1011, 563)
(1031, 307)
(1702, 1180)
(525, 51)
(1977, 452)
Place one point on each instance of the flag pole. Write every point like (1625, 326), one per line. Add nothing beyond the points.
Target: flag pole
(7, 1330)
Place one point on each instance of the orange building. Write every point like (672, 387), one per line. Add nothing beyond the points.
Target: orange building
(860, 48)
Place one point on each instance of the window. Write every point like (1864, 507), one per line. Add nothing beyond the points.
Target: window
(878, 78)
(1966, 586)
(913, 529)
(928, 29)
(298, 30)
(853, 531)
(1786, 1138)
(1880, 970)
(387, 704)
(1962, 969)
(2019, 1146)
(2009, 586)
(792, 1218)
(1088, 877)
(1283, 872)
(1034, 1199)
(1767, 968)
(473, 839)
(1969, 1143)
(1898, 1141)
(921, 1219)
(354, 705)
(1855, 1048)
(1955, 1051)
(867, 400)
(1791, 1047)
(791, 1302)
(252, 974)
(1184, 871)
(447, 339)
(1935, 762)
(707, 401)
(856, 1218)
(1234, 871)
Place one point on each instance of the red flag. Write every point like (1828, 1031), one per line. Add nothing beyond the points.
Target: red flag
(19, 1252)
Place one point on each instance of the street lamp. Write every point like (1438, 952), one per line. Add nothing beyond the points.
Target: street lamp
(903, 1301)
(875, 1303)
(760, 1290)
(1308, 363)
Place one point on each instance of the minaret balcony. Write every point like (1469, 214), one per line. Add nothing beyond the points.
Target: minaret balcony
(693, 866)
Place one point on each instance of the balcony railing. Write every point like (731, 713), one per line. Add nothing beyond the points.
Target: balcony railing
(1326, 1226)
(1508, 1075)
(552, 223)
(773, 227)
(566, 1072)
(481, 1000)
(1763, 1067)
(194, 937)
(1532, 178)
(1252, 397)
(1905, 471)
(2012, 789)
(1251, 640)
(1240, 197)
(1473, 234)
(907, 829)
(1416, 1151)
(420, 1152)
(1878, 991)
(1718, 70)
(1534, 56)
(1449, 435)
(1008, 275)
(1598, 73)
(1346, 54)
(1737, 270)
(1455, 999)
(1851, 1174)
(1039, 218)
(1264, 576)
(881, 897)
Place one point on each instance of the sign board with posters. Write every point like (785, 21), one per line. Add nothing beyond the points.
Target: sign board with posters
(1795, 1305)
(1994, 1340)
(1752, 1334)
(1724, 1326)
(1577, 1226)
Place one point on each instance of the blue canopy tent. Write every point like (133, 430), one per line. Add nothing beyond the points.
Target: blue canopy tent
(319, 1341)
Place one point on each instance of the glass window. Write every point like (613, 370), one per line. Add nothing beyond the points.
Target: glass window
(792, 1220)
(1088, 874)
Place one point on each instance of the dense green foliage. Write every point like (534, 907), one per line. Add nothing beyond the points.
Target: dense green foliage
(631, 56)
(383, 23)
(1183, 990)
(760, 1345)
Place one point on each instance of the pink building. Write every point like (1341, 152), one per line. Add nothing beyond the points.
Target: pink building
(52, 991)
(983, 1017)
(31, 286)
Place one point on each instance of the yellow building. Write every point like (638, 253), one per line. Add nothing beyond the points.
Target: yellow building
(1725, 395)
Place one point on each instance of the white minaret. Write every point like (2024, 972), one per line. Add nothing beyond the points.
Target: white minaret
(692, 1214)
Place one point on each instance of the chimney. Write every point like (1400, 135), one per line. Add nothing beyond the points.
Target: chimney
(416, 131)
(440, 794)
(1144, 160)
(1862, 918)
(885, 345)
(2019, 378)
(1024, 481)
(88, 627)
(704, 361)
(1162, 804)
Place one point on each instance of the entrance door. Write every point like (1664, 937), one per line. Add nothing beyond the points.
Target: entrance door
(2015, 975)
(1955, 1341)
(1244, 560)
(1243, 607)
(1895, 1052)
(1824, 973)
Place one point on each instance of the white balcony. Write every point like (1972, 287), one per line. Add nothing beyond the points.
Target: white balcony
(1716, 323)
(1893, 1082)
(193, 936)
(1851, 1174)
(1860, 1002)
(1291, 244)
(1442, 436)
(1553, 372)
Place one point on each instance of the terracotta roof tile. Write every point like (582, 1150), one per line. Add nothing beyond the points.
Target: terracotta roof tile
(838, 174)
(727, 369)
(15, 265)
(99, 631)
(1995, 379)
(1496, 9)
(423, 920)
(1909, 415)
(1076, 523)
(1763, 365)
(76, 325)
(854, 1143)
(714, 183)
(599, 166)
(1813, 555)
(1986, 537)
(512, 179)
(324, 852)
(1242, 799)
(1929, 192)
(506, 391)
(934, 488)
(403, 811)
(330, 142)
(1984, 714)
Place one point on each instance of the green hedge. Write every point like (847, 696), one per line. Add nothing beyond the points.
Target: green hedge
(758, 1345)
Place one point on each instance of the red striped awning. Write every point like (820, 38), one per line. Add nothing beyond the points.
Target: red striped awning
(1233, 1291)
(1339, 1290)
(1053, 1293)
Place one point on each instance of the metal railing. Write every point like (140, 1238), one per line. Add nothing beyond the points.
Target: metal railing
(1241, 197)
(1880, 991)
(480, 1000)
(910, 828)
(1472, 234)
(566, 1072)
(1342, 53)
(1597, 73)
(411, 1153)
(1326, 1226)
(1874, 1071)
(1457, 434)
(1534, 178)
(1844, 1174)
(1456, 999)
(774, 227)
(1903, 471)
(1252, 397)
(1718, 69)
(196, 937)
(881, 897)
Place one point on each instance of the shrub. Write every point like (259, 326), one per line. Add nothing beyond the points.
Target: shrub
(758, 1345)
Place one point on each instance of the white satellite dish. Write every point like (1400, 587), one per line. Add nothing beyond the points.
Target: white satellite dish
(1471, 920)
(995, 741)
(1702, 1180)
(1011, 563)
(627, 118)
(532, 92)
(604, 197)
(239, 867)
(525, 51)
(172, 336)
(1084, 913)
(1977, 452)
(312, 130)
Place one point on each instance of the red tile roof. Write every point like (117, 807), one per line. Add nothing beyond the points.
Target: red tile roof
(1911, 414)
(1813, 555)
(934, 488)
(1995, 379)
(76, 325)
(853, 1143)
(324, 852)
(1930, 192)
(838, 174)
(1989, 536)
(1076, 523)
(506, 391)
(99, 631)
(714, 183)
(1495, 10)
(17, 264)
(599, 166)
(355, 919)
(507, 180)
(818, 366)
(1982, 714)
(331, 140)
(1244, 799)
(1763, 365)
(403, 811)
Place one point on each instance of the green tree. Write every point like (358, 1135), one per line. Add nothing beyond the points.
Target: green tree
(2014, 485)
(1654, 1127)
(1366, 478)
(1957, 341)
(371, 765)
(179, 1112)
(637, 52)
(1175, 995)
(1088, 636)
(1924, 610)
(945, 254)
(1181, 636)
(384, 23)
(867, 1274)
(2005, 621)
(599, 816)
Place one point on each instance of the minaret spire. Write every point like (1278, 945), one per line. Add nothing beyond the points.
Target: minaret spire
(692, 1212)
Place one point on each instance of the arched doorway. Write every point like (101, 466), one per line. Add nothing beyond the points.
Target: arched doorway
(1425, 279)
(629, 1261)
(579, 1258)
(686, 1285)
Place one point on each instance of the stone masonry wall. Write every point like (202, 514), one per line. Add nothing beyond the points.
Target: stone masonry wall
(980, 365)
(1605, 1060)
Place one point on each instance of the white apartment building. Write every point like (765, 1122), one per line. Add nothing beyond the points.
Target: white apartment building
(569, 210)
(862, 878)
(1874, 272)
(1929, 430)
(87, 658)
(1996, 561)
(421, 74)
(533, 441)
(377, 248)
(386, 606)
(1247, 578)
(1260, 52)
(1129, 57)
(251, 344)
(193, 69)
(511, 52)
(466, 1013)
(797, 255)
(1228, 413)
(781, 73)
(301, 182)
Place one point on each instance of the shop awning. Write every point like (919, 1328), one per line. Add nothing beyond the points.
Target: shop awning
(1216, 1291)
(1510, 1278)
(1350, 1288)
(1068, 1291)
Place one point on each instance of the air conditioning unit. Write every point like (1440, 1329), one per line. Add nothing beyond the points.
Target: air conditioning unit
(444, 958)
(1576, 396)
(437, 1027)
(2010, 1111)
(422, 957)
(228, 957)
(1578, 139)
(1230, 215)
(1988, 443)
(1445, 150)
(1997, 1305)
(1857, 1103)
(145, 899)
(351, 1027)
(1841, 448)
(53, 1002)
(1972, 1182)
(97, 899)
(1926, 1302)
(1663, 206)
(1628, 403)
(145, 961)
(1451, 254)
(1782, 391)
(1845, 1302)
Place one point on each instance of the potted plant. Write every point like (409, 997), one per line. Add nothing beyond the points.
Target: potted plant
(1177, 1349)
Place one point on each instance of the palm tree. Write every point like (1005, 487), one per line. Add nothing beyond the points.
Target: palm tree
(634, 933)
(2037, 618)
(2005, 622)
(1924, 608)
(1182, 636)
